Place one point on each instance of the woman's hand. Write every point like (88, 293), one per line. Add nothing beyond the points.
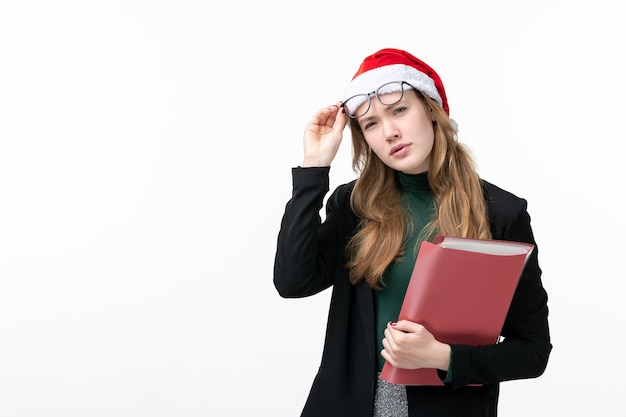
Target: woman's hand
(410, 345)
(322, 136)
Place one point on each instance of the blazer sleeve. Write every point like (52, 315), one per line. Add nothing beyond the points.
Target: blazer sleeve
(307, 248)
(525, 348)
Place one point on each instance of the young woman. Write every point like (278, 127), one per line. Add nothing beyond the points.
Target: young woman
(415, 180)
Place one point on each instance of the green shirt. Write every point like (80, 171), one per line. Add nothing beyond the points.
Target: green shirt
(417, 200)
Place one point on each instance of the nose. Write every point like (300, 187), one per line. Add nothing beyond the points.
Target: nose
(390, 130)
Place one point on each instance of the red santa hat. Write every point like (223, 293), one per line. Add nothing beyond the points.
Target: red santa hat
(389, 65)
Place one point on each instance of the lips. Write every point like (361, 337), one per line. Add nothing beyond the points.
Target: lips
(398, 148)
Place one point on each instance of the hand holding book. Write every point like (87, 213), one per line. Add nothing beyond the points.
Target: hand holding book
(460, 290)
(410, 345)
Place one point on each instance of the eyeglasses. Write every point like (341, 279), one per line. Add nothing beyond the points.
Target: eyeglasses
(387, 94)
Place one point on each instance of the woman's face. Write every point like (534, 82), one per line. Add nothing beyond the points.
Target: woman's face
(401, 135)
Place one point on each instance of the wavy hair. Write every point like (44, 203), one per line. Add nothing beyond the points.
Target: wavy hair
(460, 207)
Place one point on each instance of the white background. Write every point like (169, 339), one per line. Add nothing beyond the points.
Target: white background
(145, 157)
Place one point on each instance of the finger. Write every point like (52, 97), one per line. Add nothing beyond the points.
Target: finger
(341, 119)
(408, 326)
(387, 353)
(387, 357)
(389, 337)
(386, 343)
(335, 118)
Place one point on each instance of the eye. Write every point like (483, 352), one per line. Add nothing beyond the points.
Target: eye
(368, 125)
(399, 109)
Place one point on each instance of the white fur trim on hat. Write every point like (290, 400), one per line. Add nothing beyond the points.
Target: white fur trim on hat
(369, 81)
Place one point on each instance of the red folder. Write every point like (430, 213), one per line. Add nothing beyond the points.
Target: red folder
(460, 290)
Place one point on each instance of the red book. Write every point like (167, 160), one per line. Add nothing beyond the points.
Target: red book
(460, 290)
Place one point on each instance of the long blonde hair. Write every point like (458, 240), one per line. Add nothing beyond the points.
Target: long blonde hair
(459, 201)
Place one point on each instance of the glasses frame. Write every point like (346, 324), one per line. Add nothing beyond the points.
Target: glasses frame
(375, 93)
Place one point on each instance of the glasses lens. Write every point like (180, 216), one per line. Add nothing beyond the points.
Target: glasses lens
(357, 106)
(387, 94)
(390, 93)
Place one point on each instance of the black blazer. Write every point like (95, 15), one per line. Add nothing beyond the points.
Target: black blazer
(310, 257)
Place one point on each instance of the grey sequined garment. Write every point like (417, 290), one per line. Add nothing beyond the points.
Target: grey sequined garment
(390, 400)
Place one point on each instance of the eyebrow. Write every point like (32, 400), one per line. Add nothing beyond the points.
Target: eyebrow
(363, 120)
